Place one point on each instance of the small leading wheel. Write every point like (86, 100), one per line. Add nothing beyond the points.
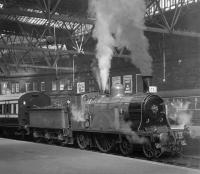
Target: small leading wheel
(148, 150)
(82, 141)
(158, 152)
(104, 143)
(125, 146)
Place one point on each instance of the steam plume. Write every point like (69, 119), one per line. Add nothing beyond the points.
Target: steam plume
(120, 23)
(96, 71)
(78, 115)
(131, 135)
(194, 131)
(179, 113)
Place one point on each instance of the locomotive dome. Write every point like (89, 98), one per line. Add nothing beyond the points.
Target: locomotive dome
(117, 90)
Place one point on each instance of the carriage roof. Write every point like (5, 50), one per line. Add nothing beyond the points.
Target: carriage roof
(15, 96)
(11, 96)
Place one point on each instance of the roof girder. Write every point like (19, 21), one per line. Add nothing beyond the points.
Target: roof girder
(63, 20)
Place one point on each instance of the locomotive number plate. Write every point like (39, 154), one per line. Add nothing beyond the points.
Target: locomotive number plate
(153, 89)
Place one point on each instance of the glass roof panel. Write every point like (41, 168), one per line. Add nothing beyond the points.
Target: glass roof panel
(167, 5)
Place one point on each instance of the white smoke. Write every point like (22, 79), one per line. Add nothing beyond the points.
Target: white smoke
(132, 136)
(96, 71)
(178, 111)
(194, 131)
(77, 114)
(120, 23)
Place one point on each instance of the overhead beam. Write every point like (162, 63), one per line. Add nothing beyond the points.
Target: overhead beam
(72, 52)
(53, 51)
(175, 32)
(23, 48)
(70, 69)
(60, 17)
(91, 21)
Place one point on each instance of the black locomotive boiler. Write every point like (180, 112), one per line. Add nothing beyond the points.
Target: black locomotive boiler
(111, 121)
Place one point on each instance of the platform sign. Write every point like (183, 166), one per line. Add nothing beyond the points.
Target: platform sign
(116, 80)
(128, 84)
(153, 89)
(80, 87)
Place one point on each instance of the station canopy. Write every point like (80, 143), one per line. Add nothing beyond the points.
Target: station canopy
(37, 34)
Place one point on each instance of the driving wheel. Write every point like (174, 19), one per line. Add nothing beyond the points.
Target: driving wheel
(125, 146)
(148, 150)
(82, 141)
(104, 143)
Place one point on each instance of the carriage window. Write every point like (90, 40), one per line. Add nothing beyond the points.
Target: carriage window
(1, 109)
(16, 105)
(8, 108)
(12, 108)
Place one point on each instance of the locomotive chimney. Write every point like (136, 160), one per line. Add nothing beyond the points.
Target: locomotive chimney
(147, 80)
(104, 92)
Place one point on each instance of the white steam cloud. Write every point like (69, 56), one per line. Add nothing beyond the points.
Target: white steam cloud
(96, 71)
(132, 136)
(120, 23)
(194, 131)
(178, 112)
(77, 114)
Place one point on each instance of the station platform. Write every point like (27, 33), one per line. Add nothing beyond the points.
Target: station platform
(19, 157)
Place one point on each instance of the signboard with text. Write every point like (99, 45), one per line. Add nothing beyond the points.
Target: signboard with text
(80, 87)
(153, 89)
(127, 82)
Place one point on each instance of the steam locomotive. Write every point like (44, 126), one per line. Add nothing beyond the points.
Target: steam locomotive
(107, 122)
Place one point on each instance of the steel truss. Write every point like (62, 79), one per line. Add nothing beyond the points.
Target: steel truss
(70, 33)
